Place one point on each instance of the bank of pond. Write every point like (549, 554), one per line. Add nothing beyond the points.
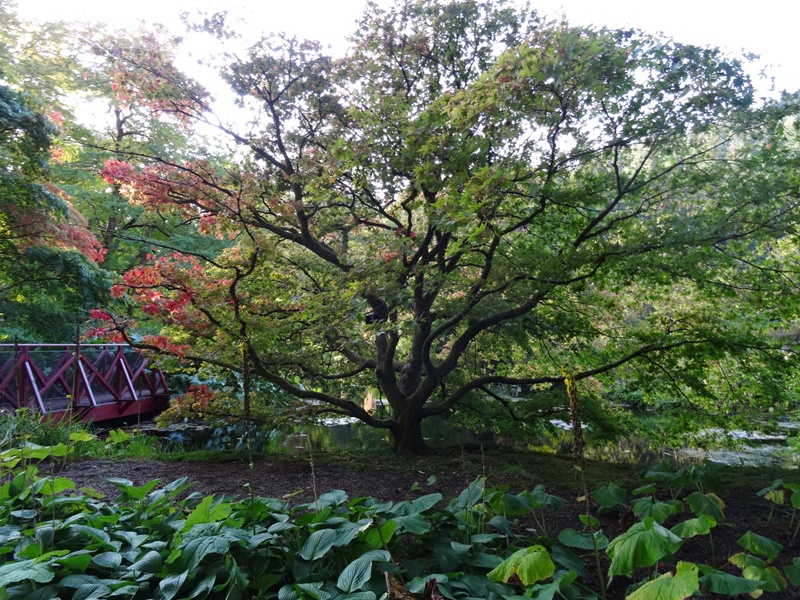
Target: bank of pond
(734, 448)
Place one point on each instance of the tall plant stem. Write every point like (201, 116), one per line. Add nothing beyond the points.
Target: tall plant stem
(247, 418)
(579, 461)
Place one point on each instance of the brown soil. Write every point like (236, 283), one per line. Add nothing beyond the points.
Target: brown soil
(295, 478)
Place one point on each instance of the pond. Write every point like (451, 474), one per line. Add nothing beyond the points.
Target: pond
(750, 450)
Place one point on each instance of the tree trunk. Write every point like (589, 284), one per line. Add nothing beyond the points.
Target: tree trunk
(407, 436)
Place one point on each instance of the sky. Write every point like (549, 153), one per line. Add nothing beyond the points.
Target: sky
(766, 27)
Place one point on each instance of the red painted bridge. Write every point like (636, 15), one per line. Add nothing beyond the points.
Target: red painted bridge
(86, 382)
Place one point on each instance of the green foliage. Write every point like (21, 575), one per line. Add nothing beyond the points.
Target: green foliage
(160, 541)
(467, 200)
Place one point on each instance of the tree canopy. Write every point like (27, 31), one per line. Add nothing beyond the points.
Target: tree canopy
(49, 274)
(472, 197)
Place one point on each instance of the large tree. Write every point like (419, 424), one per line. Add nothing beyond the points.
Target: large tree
(472, 197)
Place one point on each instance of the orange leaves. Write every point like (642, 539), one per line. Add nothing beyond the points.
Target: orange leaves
(142, 72)
(64, 230)
(193, 190)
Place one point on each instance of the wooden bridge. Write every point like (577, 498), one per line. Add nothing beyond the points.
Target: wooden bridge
(89, 382)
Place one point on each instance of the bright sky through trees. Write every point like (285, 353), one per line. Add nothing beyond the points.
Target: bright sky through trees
(767, 28)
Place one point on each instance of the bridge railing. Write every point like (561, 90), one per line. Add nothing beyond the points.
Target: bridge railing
(70, 378)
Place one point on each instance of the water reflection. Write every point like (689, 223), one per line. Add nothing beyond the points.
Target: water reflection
(440, 434)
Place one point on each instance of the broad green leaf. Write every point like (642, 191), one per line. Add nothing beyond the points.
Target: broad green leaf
(529, 565)
(379, 537)
(44, 535)
(23, 570)
(108, 560)
(355, 575)
(642, 545)
(151, 562)
(76, 561)
(757, 544)
(609, 496)
(45, 592)
(573, 539)
(793, 571)
(207, 512)
(318, 544)
(471, 495)
(772, 487)
(681, 585)
(502, 524)
(776, 496)
(171, 584)
(92, 592)
(647, 507)
(545, 591)
(568, 559)
(81, 436)
(204, 585)
(772, 578)
(484, 560)
(56, 486)
(485, 538)
(313, 589)
(707, 504)
(589, 520)
(512, 505)
(540, 498)
(334, 497)
(347, 531)
(650, 488)
(414, 523)
(195, 550)
(692, 527)
(719, 582)
(418, 505)
(744, 560)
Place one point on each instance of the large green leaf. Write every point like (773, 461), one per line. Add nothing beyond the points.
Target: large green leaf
(331, 497)
(609, 496)
(208, 511)
(642, 545)
(150, 562)
(347, 531)
(379, 537)
(681, 585)
(355, 575)
(25, 570)
(415, 506)
(471, 495)
(707, 504)
(719, 582)
(758, 544)
(585, 541)
(528, 565)
(647, 507)
(108, 560)
(772, 579)
(171, 584)
(793, 571)
(318, 544)
(692, 527)
(94, 591)
(195, 550)
(414, 523)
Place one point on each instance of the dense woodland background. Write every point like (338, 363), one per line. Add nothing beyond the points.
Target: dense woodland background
(471, 212)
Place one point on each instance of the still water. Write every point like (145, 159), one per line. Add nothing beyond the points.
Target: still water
(748, 451)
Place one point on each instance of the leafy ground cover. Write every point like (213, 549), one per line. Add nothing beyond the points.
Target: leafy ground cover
(479, 524)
